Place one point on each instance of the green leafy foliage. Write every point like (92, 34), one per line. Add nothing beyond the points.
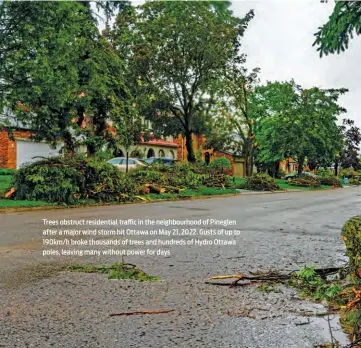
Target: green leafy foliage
(7, 171)
(56, 67)
(178, 175)
(328, 179)
(348, 173)
(68, 180)
(297, 122)
(218, 180)
(305, 181)
(221, 163)
(323, 172)
(348, 157)
(351, 234)
(313, 285)
(354, 181)
(178, 52)
(344, 22)
(261, 182)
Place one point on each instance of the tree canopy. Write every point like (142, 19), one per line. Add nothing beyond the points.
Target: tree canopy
(343, 24)
(352, 139)
(179, 51)
(297, 122)
(57, 71)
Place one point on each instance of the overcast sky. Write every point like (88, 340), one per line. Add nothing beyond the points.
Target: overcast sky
(279, 41)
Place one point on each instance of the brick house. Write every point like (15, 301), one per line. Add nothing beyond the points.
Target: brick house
(208, 155)
(289, 165)
(17, 147)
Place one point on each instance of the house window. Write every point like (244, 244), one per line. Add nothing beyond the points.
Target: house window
(161, 153)
(172, 156)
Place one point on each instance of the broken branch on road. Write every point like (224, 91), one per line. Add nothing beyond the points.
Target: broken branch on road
(142, 312)
(268, 276)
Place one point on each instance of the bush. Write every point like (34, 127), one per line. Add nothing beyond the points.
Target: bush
(354, 181)
(351, 233)
(221, 163)
(261, 182)
(323, 172)
(218, 180)
(7, 171)
(330, 181)
(69, 180)
(348, 173)
(305, 181)
(178, 175)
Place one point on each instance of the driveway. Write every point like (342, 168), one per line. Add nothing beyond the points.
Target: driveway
(44, 306)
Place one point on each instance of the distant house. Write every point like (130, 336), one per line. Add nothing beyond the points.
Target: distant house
(150, 147)
(208, 155)
(289, 165)
(18, 148)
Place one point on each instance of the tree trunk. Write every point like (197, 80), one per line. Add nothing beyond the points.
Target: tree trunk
(249, 158)
(126, 166)
(69, 146)
(300, 165)
(336, 167)
(189, 146)
(277, 170)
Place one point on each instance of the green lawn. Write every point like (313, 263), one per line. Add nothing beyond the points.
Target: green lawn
(5, 182)
(203, 191)
(9, 203)
(285, 185)
(5, 185)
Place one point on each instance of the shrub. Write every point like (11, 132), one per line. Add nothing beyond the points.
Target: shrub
(221, 163)
(104, 155)
(351, 234)
(261, 182)
(218, 180)
(354, 181)
(348, 173)
(178, 175)
(330, 181)
(323, 172)
(7, 171)
(68, 180)
(305, 181)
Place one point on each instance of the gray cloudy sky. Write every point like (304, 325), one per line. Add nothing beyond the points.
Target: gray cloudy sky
(279, 41)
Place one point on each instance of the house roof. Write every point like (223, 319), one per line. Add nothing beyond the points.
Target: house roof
(160, 142)
(152, 141)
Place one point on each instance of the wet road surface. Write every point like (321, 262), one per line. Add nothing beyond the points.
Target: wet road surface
(44, 306)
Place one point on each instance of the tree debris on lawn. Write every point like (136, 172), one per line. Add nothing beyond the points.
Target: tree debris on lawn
(142, 312)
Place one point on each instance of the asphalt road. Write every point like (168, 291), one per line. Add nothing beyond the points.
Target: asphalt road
(41, 305)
